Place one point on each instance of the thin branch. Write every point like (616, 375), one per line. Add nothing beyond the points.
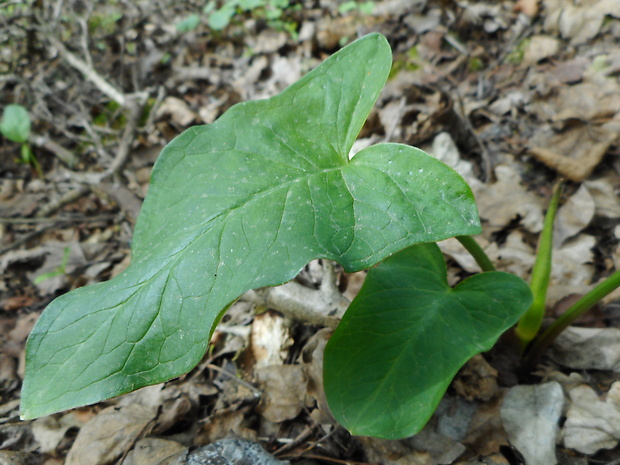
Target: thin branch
(90, 73)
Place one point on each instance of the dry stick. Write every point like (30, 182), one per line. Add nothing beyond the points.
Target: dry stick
(66, 156)
(134, 104)
(257, 393)
(296, 441)
(52, 223)
(90, 73)
(66, 198)
(58, 219)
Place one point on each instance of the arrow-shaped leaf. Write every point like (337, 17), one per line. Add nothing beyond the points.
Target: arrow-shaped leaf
(243, 203)
(405, 336)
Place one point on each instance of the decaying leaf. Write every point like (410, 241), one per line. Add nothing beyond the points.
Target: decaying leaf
(49, 431)
(284, 390)
(152, 451)
(573, 215)
(592, 423)
(587, 349)
(581, 21)
(530, 416)
(270, 339)
(108, 435)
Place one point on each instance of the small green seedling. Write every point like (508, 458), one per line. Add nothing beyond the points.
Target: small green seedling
(15, 126)
(58, 271)
(219, 15)
(247, 202)
(533, 343)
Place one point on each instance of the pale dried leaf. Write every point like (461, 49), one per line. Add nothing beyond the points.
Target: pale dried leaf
(176, 109)
(270, 339)
(445, 150)
(539, 48)
(49, 431)
(530, 416)
(587, 349)
(514, 256)
(592, 424)
(578, 22)
(503, 201)
(574, 215)
(605, 197)
(571, 269)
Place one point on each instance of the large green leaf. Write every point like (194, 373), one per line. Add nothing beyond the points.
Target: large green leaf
(243, 203)
(405, 336)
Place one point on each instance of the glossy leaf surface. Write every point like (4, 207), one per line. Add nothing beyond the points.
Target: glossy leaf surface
(405, 336)
(243, 203)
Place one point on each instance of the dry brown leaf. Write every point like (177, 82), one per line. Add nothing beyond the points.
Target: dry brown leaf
(152, 451)
(575, 152)
(284, 391)
(311, 359)
(110, 434)
(9, 457)
(225, 424)
(477, 380)
(486, 432)
(528, 7)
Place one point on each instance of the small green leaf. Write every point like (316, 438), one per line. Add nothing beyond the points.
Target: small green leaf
(219, 19)
(15, 124)
(347, 6)
(189, 23)
(406, 335)
(367, 7)
(243, 203)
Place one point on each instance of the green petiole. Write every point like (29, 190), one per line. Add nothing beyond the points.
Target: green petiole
(530, 323)
(482, 259)
(575, 311)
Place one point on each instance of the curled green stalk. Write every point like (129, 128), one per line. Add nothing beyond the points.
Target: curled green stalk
(530, 323)
(574, 312)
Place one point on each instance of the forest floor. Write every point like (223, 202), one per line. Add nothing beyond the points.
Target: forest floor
(514, 95)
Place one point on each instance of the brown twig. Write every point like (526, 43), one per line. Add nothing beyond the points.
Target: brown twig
(257, 393)
(67, 198)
